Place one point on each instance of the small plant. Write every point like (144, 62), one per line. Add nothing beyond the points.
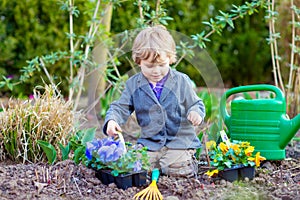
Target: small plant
(112, 155)
(236, 153)
(76, 146)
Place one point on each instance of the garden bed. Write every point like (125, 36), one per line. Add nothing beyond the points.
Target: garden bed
(65, 180)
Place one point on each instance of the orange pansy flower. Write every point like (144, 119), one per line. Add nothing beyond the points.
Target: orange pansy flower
(223, 147)
(211, 173)
(258, 159)
(249, 150)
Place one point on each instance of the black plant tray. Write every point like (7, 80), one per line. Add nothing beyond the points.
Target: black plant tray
(105, 176)
(238, 173)
(123, 181)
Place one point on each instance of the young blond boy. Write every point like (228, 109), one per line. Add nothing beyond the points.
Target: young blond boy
(166, 106)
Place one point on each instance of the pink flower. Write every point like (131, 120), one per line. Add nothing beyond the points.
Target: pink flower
(31, 96)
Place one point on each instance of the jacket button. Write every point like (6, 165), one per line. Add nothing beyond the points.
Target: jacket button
(160, 122)
(161, 133)
(159, 110)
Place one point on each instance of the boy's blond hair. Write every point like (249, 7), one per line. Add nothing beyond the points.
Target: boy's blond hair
(154, 43)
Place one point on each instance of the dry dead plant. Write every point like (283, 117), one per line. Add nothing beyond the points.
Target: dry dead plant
(47, 117)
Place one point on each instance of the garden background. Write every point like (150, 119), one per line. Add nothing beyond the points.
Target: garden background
(55, 43)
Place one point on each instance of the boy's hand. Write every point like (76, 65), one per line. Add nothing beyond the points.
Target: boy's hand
(194, 118)
(112, 128)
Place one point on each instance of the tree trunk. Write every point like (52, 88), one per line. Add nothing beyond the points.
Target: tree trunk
(96, 80)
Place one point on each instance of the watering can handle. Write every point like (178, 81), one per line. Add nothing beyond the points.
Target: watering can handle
(279, 95)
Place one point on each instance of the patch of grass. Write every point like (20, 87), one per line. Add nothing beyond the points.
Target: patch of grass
(242, 190)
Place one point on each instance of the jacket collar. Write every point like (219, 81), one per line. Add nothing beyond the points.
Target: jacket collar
(170, 84)
(144, 85)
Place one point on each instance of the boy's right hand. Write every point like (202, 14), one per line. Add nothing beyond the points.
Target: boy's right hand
(113, 128)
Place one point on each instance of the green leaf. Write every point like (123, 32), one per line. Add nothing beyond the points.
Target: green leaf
(2, 84)
(228, 164)
(49, 150)
(65, 151)
(10, 86)
(213, 132)
(247, 95)
(78, 154)
(296, 138)
(88, 136)
(257, 95)
(115, 172)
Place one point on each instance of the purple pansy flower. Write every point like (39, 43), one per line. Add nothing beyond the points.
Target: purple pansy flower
(31, 96)
(137, 166)
(10, 76)
(90, 147)
(107, 149)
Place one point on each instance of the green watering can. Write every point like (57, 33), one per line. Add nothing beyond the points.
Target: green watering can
(262, 122)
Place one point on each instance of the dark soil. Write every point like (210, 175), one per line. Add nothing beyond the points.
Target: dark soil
(65, 180)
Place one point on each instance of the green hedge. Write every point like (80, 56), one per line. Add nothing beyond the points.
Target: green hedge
(241, 54)
(33, 28)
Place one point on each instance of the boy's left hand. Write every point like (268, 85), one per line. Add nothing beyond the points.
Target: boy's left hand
(194, 118)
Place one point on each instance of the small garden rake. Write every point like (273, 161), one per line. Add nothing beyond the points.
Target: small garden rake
(151, 192)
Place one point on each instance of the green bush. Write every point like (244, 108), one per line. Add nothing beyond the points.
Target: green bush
(242, 50)
(35, 28)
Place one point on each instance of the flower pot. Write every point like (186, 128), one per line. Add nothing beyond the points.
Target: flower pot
(237, 173)
(247, 172)
(229, 174)
(122, 181)
(139, 179)
(105, 176)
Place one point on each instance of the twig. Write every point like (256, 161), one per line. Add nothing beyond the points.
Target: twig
(49, 77)
(276, 52)
(140, 9)
(43, 172)
(71, 46)
(292, 53)
(94, 103)
(47, 176)
(114, 65)
(272, 45)
(179, 60)
(157, 8)
(77, 185)
(295, 174)
(37, 175)
(206, 150)
(281, 174)
(297, 167)
(81, 72)
(56, 176)
(64, 185)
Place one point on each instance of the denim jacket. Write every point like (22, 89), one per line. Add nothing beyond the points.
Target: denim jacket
(163, 122)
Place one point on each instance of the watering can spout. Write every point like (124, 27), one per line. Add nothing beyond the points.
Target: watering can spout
(288, 129)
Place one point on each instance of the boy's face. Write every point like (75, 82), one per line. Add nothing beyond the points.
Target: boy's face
(155, 71)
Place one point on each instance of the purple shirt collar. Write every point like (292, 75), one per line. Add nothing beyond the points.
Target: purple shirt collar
(159, 86)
